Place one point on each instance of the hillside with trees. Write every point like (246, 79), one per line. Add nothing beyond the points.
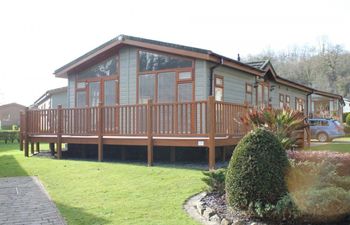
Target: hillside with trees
(325, 66)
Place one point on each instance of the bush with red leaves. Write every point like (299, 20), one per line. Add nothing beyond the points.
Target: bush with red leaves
(342, 160)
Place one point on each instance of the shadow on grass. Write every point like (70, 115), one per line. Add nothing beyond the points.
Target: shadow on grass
(9, 167)
(75, 215)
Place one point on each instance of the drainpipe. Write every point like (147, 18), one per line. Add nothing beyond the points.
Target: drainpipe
(307, 104)
(211, 78)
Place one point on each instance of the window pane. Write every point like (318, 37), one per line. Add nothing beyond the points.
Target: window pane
(110, 92)
(219, 81)
(81, 85)
(218, 94)
(107, 67)
(154, 61)
(259, 94)
(146, 87)
(185, 75)
(81, 99)
(166, 87)
(249, 88)
(185, 92)
(94, 93)
(249, 98)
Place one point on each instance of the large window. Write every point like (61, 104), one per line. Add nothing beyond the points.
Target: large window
(146, 87)
(98, 83)
(164, 78)
(219, 88)
(149, 61)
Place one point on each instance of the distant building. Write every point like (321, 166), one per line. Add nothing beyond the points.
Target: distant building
(9, 114)
(51, 99)
(346, 108)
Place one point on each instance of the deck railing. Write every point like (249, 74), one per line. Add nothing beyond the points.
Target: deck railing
(167, 119)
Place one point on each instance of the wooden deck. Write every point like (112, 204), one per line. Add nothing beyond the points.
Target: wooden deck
(194, 124)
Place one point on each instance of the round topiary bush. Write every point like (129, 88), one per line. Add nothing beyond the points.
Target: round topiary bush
(255, 175)
(347, 119)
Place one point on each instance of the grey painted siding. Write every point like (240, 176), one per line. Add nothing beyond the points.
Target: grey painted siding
(282, 89)
(127, 86)
(59, 99)
(71, 91)
(234, 83)
(201, 75)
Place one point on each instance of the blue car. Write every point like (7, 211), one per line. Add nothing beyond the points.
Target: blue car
(326, 129)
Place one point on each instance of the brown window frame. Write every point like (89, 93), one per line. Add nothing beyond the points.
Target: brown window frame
(262, 85)
(287, 100)
(299, 102)
(216, 85)
(281, 99)
(177, 71)
(249, 93)
(101, 80)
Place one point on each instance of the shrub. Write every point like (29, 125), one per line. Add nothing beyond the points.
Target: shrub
(347, 119)
(282, 122)
(342, 160)
(215, 180)
(323, 204)
(255, 174)
(319, 193)
(9, 136)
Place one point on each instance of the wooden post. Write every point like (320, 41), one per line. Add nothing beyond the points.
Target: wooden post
(52, 148)
(100, 132)
(223, 153)
(25, 133)
(32, 148)
(38, 147)
(149, 133)
(59, 131)
(21, 125)
(212, 131)
(172, 154)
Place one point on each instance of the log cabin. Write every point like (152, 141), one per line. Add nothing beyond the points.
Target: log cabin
(133, 91)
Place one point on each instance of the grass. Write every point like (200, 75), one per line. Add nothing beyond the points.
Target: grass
(337, 145)
(108, 193)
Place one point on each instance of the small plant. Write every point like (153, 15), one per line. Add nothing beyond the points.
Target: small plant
(215, 180)
(282, 122)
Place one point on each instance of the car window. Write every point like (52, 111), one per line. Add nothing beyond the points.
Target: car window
(323, 123)
(314, 122)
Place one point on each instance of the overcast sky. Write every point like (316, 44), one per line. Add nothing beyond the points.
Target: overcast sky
(38, 37)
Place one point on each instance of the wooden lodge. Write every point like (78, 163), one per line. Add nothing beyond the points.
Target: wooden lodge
(138, 92)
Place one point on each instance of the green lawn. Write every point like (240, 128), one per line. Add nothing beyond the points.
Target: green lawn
(108, 193)
(337, 145)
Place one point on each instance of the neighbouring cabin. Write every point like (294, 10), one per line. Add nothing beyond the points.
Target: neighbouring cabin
(133, 91)
(325, 107)
(10, 115)
(51, 99)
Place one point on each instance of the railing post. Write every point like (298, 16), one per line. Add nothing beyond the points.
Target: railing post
(59, 131)
(25, 133)
(212, 131)
(21, 126)
(149, 133)
(100, 131)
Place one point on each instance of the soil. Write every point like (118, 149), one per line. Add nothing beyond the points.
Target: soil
(217, 202)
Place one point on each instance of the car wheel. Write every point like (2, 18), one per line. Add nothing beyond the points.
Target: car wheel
(322, 137)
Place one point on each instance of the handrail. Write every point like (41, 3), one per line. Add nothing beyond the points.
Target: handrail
(168, 119)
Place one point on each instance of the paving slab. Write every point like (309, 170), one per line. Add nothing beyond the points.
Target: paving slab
(24, 201)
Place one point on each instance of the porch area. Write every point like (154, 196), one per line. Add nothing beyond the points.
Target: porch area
(207, 124)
